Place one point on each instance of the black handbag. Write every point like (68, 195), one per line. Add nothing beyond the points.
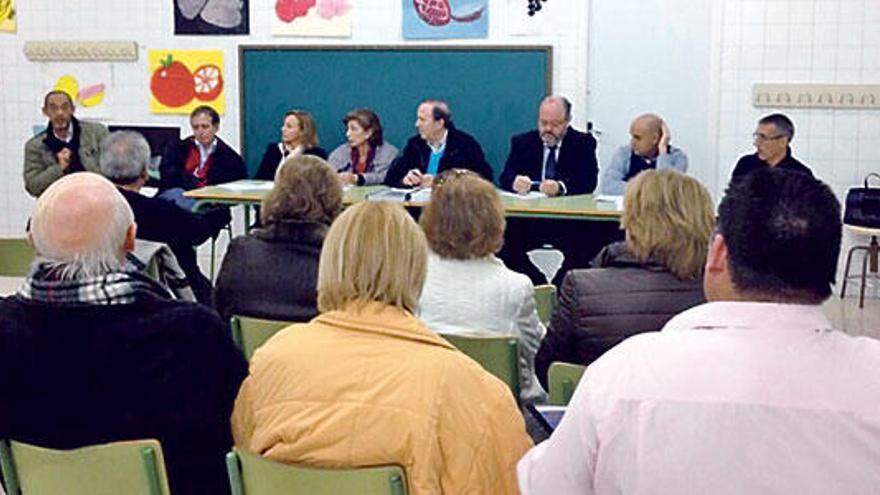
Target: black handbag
(863, 205)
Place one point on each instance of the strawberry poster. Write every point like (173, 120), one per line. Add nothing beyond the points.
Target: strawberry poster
(181, 80)
(445, 19)
(311, 18)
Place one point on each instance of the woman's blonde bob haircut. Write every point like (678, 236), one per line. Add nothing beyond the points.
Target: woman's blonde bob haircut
(374, 251)
(465, 219)
(307, 189)
(668, 219)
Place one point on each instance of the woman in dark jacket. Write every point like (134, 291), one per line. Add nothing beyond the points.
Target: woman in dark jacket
(637, 285)
(298, 137)
(272, 272)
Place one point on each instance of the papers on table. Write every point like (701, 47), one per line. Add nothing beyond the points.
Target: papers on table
(248, 185)
(617, 201)
(399, 195)
(529, 195)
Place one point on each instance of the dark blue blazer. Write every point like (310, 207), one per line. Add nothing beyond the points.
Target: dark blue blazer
(577, 166)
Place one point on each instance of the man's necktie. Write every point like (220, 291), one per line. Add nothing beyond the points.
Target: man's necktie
(550, 167)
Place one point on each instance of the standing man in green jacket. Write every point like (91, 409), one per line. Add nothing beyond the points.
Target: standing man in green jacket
(66, 146)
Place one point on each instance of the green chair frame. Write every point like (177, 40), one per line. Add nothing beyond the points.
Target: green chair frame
(562, 379)
(16, 256)
(545, 299)
(130, 467)
(497, 355)
(254, 475)
(249, 333)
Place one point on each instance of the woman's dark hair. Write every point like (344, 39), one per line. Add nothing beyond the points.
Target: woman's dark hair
(369, 121)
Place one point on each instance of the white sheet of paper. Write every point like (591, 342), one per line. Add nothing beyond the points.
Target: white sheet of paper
(529, 195)
(248, 185)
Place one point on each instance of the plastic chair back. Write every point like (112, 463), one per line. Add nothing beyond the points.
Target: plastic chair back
(562, 379)
(254, 475)
(16, 255)
(545, 299)
(497, 355)
(131, 467)
(250, 333)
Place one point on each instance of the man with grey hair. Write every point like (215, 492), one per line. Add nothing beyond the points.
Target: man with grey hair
(648, 148)
(772, 140)
(91, 352)
(554, 159)
(124, 159)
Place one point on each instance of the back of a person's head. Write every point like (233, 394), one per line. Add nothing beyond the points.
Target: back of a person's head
(465, 218)
(306, 190)
(124, 156)
(374, 251)
(782, 230)
(668, 220)
(80, 226)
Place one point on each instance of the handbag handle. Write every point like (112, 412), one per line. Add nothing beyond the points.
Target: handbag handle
(872, 174)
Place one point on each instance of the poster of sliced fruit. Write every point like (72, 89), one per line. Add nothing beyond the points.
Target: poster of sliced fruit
(330, 18)
(181, 80)
(445, 19)
(7, 16)
(89, 86)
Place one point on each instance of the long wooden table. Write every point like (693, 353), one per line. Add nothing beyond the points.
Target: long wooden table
(576, 225)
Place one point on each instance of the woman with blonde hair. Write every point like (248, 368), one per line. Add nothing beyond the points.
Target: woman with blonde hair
(366, 383)
(639, 284)
(272, 272)
(469, 291)
(299, 136)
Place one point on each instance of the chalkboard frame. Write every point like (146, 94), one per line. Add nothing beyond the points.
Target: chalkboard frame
(244, 50)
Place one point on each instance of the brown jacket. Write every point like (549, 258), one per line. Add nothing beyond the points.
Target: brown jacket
(372, 386)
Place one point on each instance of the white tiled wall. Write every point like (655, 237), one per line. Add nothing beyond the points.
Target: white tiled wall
(836, 41)
(151, 25)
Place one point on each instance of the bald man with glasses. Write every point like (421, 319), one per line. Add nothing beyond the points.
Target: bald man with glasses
(772, 139)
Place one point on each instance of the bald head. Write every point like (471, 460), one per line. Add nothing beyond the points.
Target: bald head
(83, 225)
(645, 132)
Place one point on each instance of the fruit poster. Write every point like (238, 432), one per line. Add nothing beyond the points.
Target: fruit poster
(445, 19)
(89, 86)
(7, 16)
(181, 80)
(211, 17)
(311, 18)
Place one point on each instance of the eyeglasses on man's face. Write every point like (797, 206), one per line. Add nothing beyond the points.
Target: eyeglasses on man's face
(760, 137)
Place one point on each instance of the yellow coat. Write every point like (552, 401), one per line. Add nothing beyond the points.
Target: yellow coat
(373, 386)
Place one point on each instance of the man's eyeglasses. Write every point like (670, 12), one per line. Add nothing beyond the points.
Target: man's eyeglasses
(763, 138)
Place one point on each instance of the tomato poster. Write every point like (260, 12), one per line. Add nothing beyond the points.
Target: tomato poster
(311, 18)
(181, 80)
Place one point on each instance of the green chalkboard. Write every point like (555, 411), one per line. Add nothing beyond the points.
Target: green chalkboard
(493, 91)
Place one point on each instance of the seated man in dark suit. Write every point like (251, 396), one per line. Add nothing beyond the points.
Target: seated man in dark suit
(772, 139)
(91, 352)
(555, 158)
(202, 159)
(438, 147)
(124, 159)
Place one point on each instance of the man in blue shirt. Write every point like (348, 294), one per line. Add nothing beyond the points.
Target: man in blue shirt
(439, 146)
(648, 148)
